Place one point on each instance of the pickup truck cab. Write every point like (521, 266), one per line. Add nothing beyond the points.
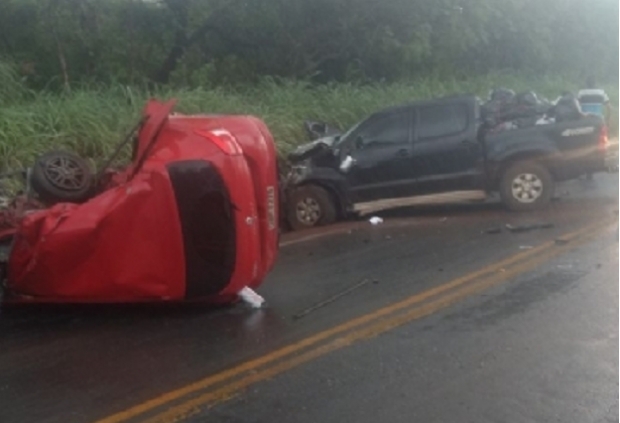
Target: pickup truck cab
(433, 147)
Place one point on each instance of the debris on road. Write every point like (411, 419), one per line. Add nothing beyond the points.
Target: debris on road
(250, 297)
(332, 298)
(519, 228)
(528, 227)
(375, 220)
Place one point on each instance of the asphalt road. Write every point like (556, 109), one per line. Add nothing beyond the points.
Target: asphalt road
(426, 317)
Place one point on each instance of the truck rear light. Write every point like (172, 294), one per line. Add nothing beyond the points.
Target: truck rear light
(223, 140)
(603, 139)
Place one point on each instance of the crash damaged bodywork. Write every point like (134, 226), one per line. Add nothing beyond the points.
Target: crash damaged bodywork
(193, 217)
(441, 150)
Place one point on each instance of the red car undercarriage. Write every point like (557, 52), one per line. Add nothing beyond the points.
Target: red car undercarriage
(193, 217)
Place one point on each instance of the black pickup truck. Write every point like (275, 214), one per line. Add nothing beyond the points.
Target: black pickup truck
(434, 147)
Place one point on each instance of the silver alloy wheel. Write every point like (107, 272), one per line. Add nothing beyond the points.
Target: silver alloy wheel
(65, 173)
(308, 211)
(527, 187)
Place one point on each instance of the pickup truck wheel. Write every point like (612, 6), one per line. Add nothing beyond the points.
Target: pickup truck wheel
(526, 186)
(310, 206)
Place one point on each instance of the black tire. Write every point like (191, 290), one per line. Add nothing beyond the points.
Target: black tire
(309, 206)
(526, 186)
(60, 176)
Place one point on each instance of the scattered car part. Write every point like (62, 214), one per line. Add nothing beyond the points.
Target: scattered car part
(528, 227)
(375, 220)
(250, 297)
(333, 298)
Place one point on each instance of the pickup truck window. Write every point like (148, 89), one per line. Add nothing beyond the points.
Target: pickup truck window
(385, 129)
(441, 120)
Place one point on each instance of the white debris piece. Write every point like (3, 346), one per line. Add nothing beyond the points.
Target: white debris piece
(250, 296)
(545, 121)
(375, 220)
(346, 164)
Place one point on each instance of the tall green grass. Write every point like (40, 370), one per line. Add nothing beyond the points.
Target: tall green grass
(91, 120)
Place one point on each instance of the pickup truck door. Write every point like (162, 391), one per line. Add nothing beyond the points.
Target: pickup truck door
(381, 152)
(446, 154)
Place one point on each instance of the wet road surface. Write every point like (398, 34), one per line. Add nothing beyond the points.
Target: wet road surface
(427, 317)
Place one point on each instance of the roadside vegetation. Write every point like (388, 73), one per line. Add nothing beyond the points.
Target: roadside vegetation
(76, 73)
(90, 120)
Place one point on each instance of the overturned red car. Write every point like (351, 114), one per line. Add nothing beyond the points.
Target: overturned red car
(193, 217)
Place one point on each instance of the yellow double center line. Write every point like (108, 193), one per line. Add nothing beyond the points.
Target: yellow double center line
(190, 399)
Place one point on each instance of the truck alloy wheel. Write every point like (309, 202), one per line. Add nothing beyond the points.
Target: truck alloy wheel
(310, 206)
(308, 211)
(526, 185)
